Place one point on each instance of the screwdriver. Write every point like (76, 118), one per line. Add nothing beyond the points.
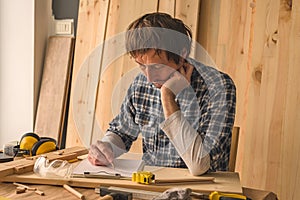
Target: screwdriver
(226, 196)
(219, 196)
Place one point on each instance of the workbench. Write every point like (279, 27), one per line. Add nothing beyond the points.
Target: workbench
(52, 187)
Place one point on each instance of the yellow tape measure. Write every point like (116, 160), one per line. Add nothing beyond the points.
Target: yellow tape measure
(143, 177)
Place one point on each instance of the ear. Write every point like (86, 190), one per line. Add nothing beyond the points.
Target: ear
(184, 53)
(183, 56)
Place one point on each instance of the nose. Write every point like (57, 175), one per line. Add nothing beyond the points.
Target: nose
(150, 74)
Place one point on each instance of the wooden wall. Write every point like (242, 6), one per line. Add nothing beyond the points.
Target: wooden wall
(254, 41)
(257, 44)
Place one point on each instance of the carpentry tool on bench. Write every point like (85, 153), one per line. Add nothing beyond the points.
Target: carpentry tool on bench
(143, 177)
(219, 196)
(109, 194)
(226, 196)
(146, 177)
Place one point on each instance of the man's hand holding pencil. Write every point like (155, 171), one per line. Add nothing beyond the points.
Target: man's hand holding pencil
(101, 153)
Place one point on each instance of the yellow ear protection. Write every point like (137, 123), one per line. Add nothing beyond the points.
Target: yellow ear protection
(31, 144)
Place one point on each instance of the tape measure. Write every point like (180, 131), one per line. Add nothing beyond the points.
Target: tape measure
(143, 177)
(31, 144)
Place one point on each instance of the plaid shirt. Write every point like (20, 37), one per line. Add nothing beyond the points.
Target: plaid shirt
(208, 105)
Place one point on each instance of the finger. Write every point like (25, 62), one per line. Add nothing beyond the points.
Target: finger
(188, 67)
(93, 160)
(182, 70)
(97, 155)
(189, 71)
(106, 150)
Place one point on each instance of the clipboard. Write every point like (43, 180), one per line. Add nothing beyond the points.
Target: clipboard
(123, 168)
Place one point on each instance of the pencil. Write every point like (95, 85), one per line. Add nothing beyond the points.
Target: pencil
(112, 164)
(73, 191)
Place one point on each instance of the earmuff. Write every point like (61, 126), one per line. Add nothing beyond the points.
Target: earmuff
(31, 144)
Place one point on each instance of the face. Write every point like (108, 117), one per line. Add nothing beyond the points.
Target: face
(157, 68)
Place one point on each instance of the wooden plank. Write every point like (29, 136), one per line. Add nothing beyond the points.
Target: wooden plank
(261, 97)
(224, 182)
(265, 122)
(121, 64)
(289, 179)
(188, 12)
(209, 23)
(224, 32)
(6, 170)
(91, 28)
(54, 87)
(275, 93)
(167, 6)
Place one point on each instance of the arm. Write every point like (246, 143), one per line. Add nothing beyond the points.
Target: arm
(212, 134)
(180, 133)
(184, 137)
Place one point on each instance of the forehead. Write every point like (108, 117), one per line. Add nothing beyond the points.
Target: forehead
(151, 56)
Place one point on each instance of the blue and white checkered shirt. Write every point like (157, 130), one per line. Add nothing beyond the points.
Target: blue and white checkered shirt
(208, 105)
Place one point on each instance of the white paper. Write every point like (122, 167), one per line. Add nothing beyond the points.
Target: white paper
(124, 167)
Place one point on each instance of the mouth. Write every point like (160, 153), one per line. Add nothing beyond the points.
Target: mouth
(157, 85)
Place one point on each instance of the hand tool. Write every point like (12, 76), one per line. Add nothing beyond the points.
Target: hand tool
(143, 177)
(109, 194)
(226, 196)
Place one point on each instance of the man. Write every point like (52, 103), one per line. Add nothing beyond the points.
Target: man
(183, 109)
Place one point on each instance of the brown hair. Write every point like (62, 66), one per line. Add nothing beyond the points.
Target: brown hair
(158, 31)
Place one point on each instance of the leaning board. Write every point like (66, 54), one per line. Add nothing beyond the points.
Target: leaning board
(54, 87)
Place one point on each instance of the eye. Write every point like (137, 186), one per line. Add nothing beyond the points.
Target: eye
(142, 67)
(152, 66)
(158, 66)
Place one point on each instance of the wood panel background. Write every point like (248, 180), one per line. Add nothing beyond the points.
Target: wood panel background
(253, 41)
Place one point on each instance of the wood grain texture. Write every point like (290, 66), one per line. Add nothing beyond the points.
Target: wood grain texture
(167, 6)
(289, 180)
(224, 31)
(86, 69)
(54, 87)
(255, 41)
(188, 12)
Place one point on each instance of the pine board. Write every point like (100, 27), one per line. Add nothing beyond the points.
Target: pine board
(54, 87)
(255, 42)
(91, 28)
